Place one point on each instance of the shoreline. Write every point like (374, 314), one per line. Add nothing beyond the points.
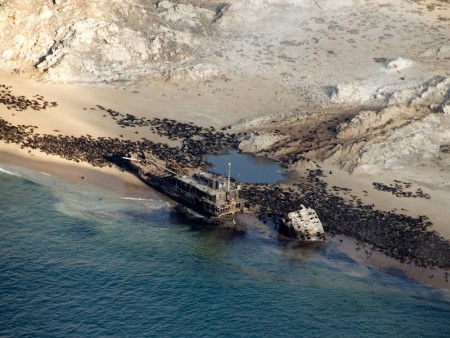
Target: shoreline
(93, 123)
(122, 182)
(109, 178)
(363, 253)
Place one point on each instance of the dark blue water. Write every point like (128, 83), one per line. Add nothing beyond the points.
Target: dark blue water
(79, 262)
(247, 168)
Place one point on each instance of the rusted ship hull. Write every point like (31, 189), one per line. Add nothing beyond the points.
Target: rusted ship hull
(212, 196)
(169, 186)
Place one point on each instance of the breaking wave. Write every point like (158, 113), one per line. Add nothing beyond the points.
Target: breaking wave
(10, 172)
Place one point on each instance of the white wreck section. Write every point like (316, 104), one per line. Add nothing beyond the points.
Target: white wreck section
(306, 224)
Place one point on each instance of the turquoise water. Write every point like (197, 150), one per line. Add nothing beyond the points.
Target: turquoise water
(79, 262)
(247, 168)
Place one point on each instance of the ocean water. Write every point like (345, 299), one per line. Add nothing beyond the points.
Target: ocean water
(76, 261)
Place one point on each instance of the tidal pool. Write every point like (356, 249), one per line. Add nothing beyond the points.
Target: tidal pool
(247, 168)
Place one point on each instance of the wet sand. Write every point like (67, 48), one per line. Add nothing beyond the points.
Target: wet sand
(106, 178)
(363, 253)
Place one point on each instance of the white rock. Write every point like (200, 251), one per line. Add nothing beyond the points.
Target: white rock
(20, 40)
(45, 13)
(196, 72)
(165, 4)
(8, 54)
(113, 28)
(351, 93)
(256, 142)
(367, 121)
(442, 51)
(365, 169)
(399, 64)
(446, 110)
(409, 145)
(155, 45)
(303, 164)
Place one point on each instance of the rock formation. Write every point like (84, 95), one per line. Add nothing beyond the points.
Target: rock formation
(89, 41)
(256, 142)
(394, 138)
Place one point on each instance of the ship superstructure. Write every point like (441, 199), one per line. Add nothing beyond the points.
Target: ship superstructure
(304, 224)
(211, 195)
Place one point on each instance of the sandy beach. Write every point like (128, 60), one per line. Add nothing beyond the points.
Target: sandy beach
(83, 173)
(359, 90)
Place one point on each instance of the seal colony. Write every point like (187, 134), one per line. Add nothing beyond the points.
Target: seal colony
(407, 238)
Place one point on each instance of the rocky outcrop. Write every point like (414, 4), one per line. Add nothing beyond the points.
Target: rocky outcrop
(440, 52)
(394, 138)
(90, 41)
(257, 142)
(351, 93)
(369, 142)
(368, 121)
(434, 91)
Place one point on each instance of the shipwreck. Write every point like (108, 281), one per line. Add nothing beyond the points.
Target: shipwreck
(303, 224)
(212, 195)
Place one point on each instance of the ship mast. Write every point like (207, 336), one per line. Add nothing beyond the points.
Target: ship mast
(229, 176)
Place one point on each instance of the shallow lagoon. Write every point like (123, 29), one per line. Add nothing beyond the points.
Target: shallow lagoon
(247, 168)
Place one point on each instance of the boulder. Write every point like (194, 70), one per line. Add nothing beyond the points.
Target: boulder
(257, 142)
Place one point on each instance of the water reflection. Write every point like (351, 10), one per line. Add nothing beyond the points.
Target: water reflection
(247, 168)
